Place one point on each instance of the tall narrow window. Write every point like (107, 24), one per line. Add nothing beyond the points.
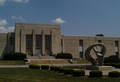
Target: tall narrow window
(38, 41)
(116, 48)
(61, 45)
(81, 48)
(38, 44)
(99, 47)
(47, 44)
(29, 45)
(28, 41)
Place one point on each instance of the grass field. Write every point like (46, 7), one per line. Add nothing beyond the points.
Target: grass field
(37, 75)
(12, 62)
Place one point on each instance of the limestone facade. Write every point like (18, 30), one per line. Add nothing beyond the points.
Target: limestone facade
(46, 39)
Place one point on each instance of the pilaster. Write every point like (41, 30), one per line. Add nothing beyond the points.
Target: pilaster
(8, 42)
(43, 42)
(23, 41)
(34, 42)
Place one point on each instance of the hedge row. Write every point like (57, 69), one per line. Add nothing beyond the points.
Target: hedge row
(116, 65)
(64, 56)
(14, 56)
(114, 74)
(93, 73)
(43, 67)
(68, 70)
(112, 59)
(34, 66)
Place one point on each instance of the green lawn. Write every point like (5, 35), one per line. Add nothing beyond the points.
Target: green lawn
(82, 61)
(12, 62)
(37, 75)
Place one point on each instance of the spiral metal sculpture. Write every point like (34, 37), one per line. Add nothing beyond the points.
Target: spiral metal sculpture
(100, 55)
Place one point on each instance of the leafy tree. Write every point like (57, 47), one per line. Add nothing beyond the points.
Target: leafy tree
(99, 35)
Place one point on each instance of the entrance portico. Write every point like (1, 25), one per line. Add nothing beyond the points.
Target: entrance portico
(36, 39)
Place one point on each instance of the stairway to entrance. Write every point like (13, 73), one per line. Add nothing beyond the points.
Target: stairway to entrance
(40, 57)
(33, 57)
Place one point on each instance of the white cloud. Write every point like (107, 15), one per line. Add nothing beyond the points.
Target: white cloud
(2, 2)
(58, 20)
(13, 17)
(19, 17)
(22, 1)
(5, 30)
(3, 22)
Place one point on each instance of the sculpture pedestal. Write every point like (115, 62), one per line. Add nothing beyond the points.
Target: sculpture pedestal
(99, 68)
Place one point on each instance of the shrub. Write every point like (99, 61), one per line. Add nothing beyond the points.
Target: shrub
(33, 66)
(52, 68)
(76, 67)
(111, 59)
(114, 74)
(64, 55)
(61, 69)
(14, 56)
(68, 71)
(55, 68)
(110, 64)
(45, 67)
(79, 73)
(95, 73)
(117, 65)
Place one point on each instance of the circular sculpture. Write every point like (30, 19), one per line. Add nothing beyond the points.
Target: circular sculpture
(100, 55)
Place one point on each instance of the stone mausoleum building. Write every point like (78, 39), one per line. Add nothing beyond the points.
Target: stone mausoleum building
(46, 39)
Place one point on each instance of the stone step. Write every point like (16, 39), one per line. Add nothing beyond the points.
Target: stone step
(47, 57)
(33, 57)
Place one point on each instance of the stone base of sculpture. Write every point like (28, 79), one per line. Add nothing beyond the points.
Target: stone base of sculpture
(102, 68)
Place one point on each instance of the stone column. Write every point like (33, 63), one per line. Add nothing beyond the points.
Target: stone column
(23, 41)
(43, 42)
(34, 42)
(8, 42)
(17, 40)
(53, 41)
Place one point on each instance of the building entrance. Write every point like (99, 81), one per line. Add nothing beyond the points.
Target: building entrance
(38, 52)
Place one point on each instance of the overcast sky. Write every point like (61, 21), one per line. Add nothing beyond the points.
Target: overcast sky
(76, 17)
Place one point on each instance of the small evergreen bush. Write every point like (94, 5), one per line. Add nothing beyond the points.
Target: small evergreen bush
(64, 56)
(95, 73)
(61, 69)
(68, 71)
(79, 73)
(111, 59)
(14, 56)
(55, 68)
(52, 68)
(45, 67)
(114, 74)
(117, 65)
(110, 64)
(34, 66)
